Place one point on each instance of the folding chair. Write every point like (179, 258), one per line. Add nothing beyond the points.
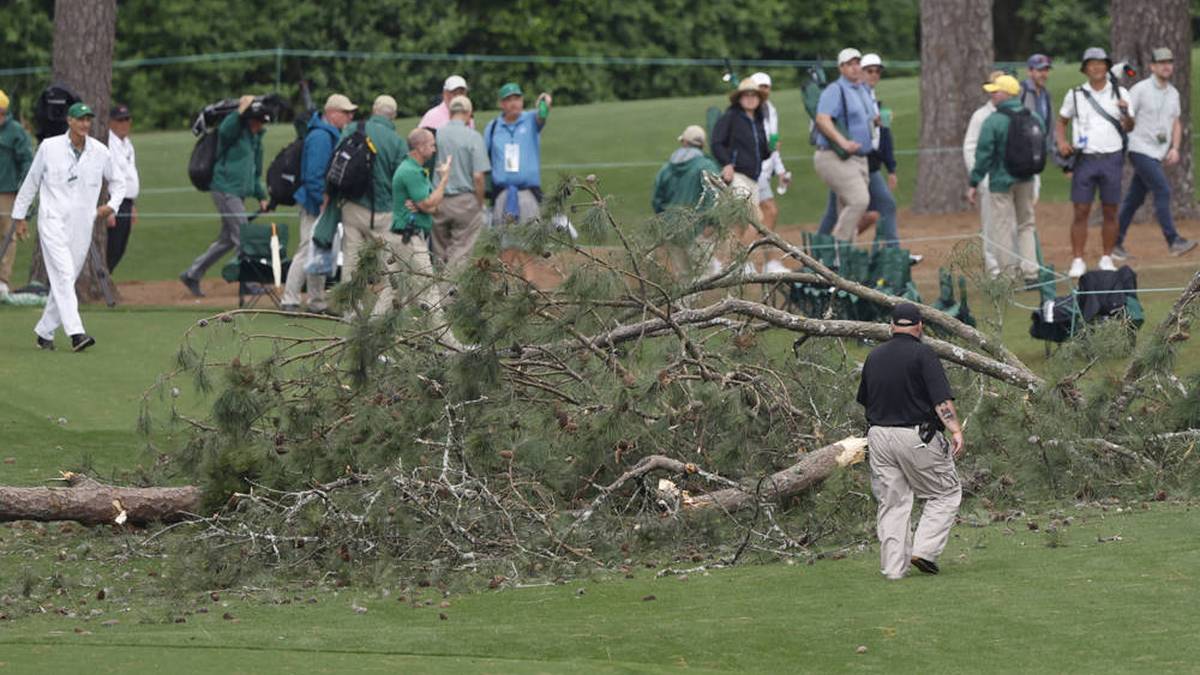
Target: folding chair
(251, 268)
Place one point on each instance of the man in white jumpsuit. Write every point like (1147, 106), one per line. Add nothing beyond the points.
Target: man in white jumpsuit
(66, 175)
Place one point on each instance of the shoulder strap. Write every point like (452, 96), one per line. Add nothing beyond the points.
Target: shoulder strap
(488, 132)
(1103, 113)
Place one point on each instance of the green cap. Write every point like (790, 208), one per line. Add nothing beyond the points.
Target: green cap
(511, 89)
(79, 110)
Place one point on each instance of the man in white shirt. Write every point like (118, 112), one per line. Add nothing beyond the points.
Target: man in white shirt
(1099, 113)
(66, 176)
(1154, 144)
(771, 166)
(121, 148)
(991, 260)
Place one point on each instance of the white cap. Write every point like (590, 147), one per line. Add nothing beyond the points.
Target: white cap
(848, 54)
(761, 79)
(871, 59)
(454, 82)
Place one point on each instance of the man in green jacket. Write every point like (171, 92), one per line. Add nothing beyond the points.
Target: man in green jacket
(237, 174)
(679, 181)
(16, 154)
(371, 214)
(1011, 198)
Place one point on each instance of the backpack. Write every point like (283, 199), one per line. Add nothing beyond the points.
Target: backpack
(203, 161)
(1025, 149)
(283, 176)
(351, 169)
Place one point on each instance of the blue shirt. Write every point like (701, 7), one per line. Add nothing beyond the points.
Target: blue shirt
(857, 116)
(319, 142)
(525, 133)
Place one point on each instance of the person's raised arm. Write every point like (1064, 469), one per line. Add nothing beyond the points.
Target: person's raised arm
(430, 203)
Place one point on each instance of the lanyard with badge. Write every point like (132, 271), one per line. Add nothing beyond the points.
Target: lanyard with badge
(512, 151)
(73, 173)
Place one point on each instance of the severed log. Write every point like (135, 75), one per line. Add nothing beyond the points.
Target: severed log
(89, 502)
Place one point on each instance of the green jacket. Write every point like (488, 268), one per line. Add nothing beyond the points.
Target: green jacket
(989, 154)
(16, 154)
(678, 181)
(239, 166)
(391, 149)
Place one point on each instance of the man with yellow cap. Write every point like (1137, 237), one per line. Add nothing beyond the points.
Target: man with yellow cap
(1011, 196)
(66, 175)
(15, 157)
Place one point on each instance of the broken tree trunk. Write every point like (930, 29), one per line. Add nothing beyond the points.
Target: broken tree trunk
(92, 503)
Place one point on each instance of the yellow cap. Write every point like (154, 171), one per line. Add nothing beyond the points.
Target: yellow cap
(1005, 83)
(3, 100)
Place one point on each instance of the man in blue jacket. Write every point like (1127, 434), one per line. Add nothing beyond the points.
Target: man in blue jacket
(322, 136)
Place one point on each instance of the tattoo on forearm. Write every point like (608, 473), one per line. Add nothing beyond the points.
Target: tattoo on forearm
(946, 412)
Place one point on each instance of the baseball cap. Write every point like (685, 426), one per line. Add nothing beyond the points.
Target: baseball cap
(848, 54)
(119, 112)
(1161, 54)
(693, 135)
(906, 314)
(339, 102)
(1038, 62)
(460, 104)
(1094, 54)
(1005, 83)
(871, 59)
(761, 79)
(454, 82)
(510, 89)
(79, 110)
(384, 101)
(3, 100)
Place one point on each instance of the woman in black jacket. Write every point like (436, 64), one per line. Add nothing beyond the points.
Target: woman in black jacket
(739, 145)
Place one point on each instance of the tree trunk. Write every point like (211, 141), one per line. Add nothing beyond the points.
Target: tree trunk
(84, 35)
(1137, 29)
(91, 503)
(956, 56)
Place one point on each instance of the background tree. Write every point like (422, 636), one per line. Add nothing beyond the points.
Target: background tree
(1135, 32)
(956, 55)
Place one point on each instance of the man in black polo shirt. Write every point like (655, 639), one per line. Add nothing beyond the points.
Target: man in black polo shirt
(908, 401)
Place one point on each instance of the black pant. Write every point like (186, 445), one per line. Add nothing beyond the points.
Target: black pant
(118, 237)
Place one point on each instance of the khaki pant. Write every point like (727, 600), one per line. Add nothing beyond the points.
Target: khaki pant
(902, 466)
(991, 260)
(298, 277)
(6, 262)
(849, 179)
(408, 265)
(1012, 230)
(456, 226)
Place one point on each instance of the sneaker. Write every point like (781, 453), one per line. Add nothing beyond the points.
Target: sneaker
(81, 341)
(749, 269)
(43, 343)
(193, 286)
(1119, 253)
(1181, 246)
(926, 566)
(289, 308)
(1078, 267)
(776, 267)
(1106, 264)
(915, 259)
(714, 266)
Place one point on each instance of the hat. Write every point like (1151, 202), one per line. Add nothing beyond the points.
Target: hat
(1094, 54)
(906, 314)
(761, 79)
(1005, 83)
(454, 82)
(384, 101)
(1038, 62)
(993, 75)
(848, 54)
(119, 112)
(871, 59)
(510, 89)
(1161, 54)
(460, 104)
(747, 85)
(80, 110)
(339, 102)
(3, 100)
(693, 135)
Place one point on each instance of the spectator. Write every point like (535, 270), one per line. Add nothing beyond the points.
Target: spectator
(680, 181)
(1100, 119)
(65, 175)
(1153, 144)
(845, 117)
(15, 157)
(1037, 98)
(739, 145)
(237, 174)
(121, 148)
(458, 222)
(1012, 198)
(371, 214)
(772, 166)
(991, 262)
(436, 117)
(320, 138)
(514, 148)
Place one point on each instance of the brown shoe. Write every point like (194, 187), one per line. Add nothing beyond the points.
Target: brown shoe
(926, 566)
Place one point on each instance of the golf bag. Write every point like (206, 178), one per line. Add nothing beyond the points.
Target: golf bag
(1102, 295)
(203, 159)
(50, 111)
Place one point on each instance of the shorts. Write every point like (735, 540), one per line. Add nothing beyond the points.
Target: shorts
(1101, 172)
(530, 210)
(764, 181)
